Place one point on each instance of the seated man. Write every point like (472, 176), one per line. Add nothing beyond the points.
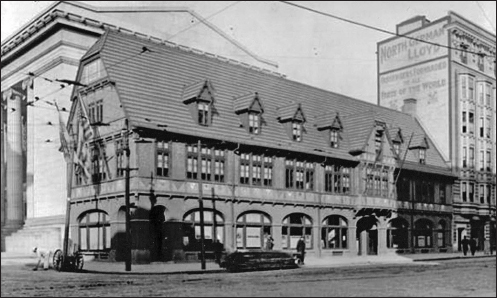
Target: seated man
(44, 254)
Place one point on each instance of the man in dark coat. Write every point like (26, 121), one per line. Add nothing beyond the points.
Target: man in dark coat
(301, 249)
(465, 244)
(472, 246)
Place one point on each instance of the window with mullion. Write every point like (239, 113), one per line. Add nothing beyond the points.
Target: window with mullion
(219, 165)
(297, 131)
(289, 171)
(254, 122)
(162, 158)
(334, 138)
(256, 169)
(203, 113)
(244, 168)
(268, 171)
(206, 163)
(120, 158)
(192, 162)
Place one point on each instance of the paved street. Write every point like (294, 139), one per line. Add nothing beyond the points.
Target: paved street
(461, 277)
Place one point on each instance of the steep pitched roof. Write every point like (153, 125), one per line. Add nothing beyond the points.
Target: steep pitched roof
(151, 86)
(247, 102)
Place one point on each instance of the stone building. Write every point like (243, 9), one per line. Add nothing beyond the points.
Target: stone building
(259, 154)
(448, 83)
(39, 61)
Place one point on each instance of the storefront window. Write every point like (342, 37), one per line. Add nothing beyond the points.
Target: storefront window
(213, 229)
(334, 232)
(423, 233)
(295, 226)
(251, 228)
(94, 231)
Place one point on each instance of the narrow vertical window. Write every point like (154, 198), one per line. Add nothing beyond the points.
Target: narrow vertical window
(378, 143)
(192, 162)
(256, 169)
(268, 171)
(471, 192)
(464, 122)
(289, 169)
(464, 157)
(488, 94)
(162, 159)
(328, 178)
(482, 160)
(489, 161)
(334, 138)
(309, 176)
(254, 123)
(299, 175)
(464, 87)
(244, 168)
(488, 128)
(471, 120)
(422, 156)
(482, 127)
(206, 163)
(464, 192)
(297, 131)
(396, 147)
(471, 157)
(203, 113)
(471, 88)
(219, 165)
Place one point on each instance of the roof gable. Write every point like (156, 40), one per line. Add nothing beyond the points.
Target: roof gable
(292, 112)
(198, 91)
(248, 102)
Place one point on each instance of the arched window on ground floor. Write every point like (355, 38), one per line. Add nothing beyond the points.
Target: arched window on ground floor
(423, 233)
(397, 233)
(334, 232)
(94, 231)
(251, 228)
(213, 229)
(295, 226)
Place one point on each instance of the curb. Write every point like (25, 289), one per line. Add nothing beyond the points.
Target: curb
(453, 258)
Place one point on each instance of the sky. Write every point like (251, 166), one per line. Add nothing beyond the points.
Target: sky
(309, 48)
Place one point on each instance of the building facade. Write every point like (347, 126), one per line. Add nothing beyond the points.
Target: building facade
(448, 82)
(257, 154)
(39, 62)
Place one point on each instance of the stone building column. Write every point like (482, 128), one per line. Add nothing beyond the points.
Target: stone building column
(14, 209)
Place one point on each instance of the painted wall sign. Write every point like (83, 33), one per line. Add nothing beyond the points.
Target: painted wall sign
(403, 52)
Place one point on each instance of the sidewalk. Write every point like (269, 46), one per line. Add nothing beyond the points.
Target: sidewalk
(92, 266)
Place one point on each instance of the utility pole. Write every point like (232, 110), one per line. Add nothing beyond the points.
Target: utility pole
(202, 233)
(126, 196)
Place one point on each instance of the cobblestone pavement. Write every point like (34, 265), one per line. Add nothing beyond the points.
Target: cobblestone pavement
(460, 277)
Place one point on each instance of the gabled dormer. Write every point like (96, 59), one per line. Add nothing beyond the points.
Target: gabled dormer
(419, 146)
(250, 110)
(397, 139)
(199, 97)
(331, 127)
(293, 119)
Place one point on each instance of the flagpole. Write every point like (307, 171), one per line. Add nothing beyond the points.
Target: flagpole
(68, 201)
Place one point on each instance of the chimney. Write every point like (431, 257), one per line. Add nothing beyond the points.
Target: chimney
(409, 106)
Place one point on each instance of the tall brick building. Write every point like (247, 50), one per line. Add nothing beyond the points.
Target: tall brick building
(448, 83)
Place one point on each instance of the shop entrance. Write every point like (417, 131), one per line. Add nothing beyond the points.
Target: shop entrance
(158, 243)
(367, 236)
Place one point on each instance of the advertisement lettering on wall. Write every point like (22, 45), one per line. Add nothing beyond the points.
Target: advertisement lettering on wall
(428, 43)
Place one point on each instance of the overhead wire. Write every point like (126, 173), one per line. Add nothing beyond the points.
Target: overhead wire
(382, 30)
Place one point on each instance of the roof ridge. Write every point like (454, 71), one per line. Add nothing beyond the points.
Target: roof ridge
(184, 48)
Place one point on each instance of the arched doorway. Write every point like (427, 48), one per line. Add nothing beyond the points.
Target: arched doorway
(423, 233)
(367, 235)
(397, 234)
(158, 243)
(334, 232)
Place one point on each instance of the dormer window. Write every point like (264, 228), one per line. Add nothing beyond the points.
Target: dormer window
(422, 156)
(297, 131)
(249, 109)
(334, 138)
(396, 147)
(200, 101)
(92, 71)
(378, 142)
(203, 113)
(254, 123)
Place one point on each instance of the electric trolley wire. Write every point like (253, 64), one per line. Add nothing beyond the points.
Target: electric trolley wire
(379, 29)
(485, 15)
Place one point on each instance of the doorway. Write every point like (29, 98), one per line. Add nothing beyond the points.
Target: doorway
(157, 234)
(367, 236)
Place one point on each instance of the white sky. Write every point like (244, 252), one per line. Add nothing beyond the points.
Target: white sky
(309, 48)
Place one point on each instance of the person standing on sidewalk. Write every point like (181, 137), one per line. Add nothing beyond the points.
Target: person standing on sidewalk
(44, 254)
(465, 244)
(472, 246)
(301, 249)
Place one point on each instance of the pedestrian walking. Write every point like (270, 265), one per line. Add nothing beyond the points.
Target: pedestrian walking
(218, 251)
(301, 249)
(465, 245)
(269, 243)
(43, 254)
(472, 246)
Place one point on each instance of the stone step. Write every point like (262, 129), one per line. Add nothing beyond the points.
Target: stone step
(25, 239)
